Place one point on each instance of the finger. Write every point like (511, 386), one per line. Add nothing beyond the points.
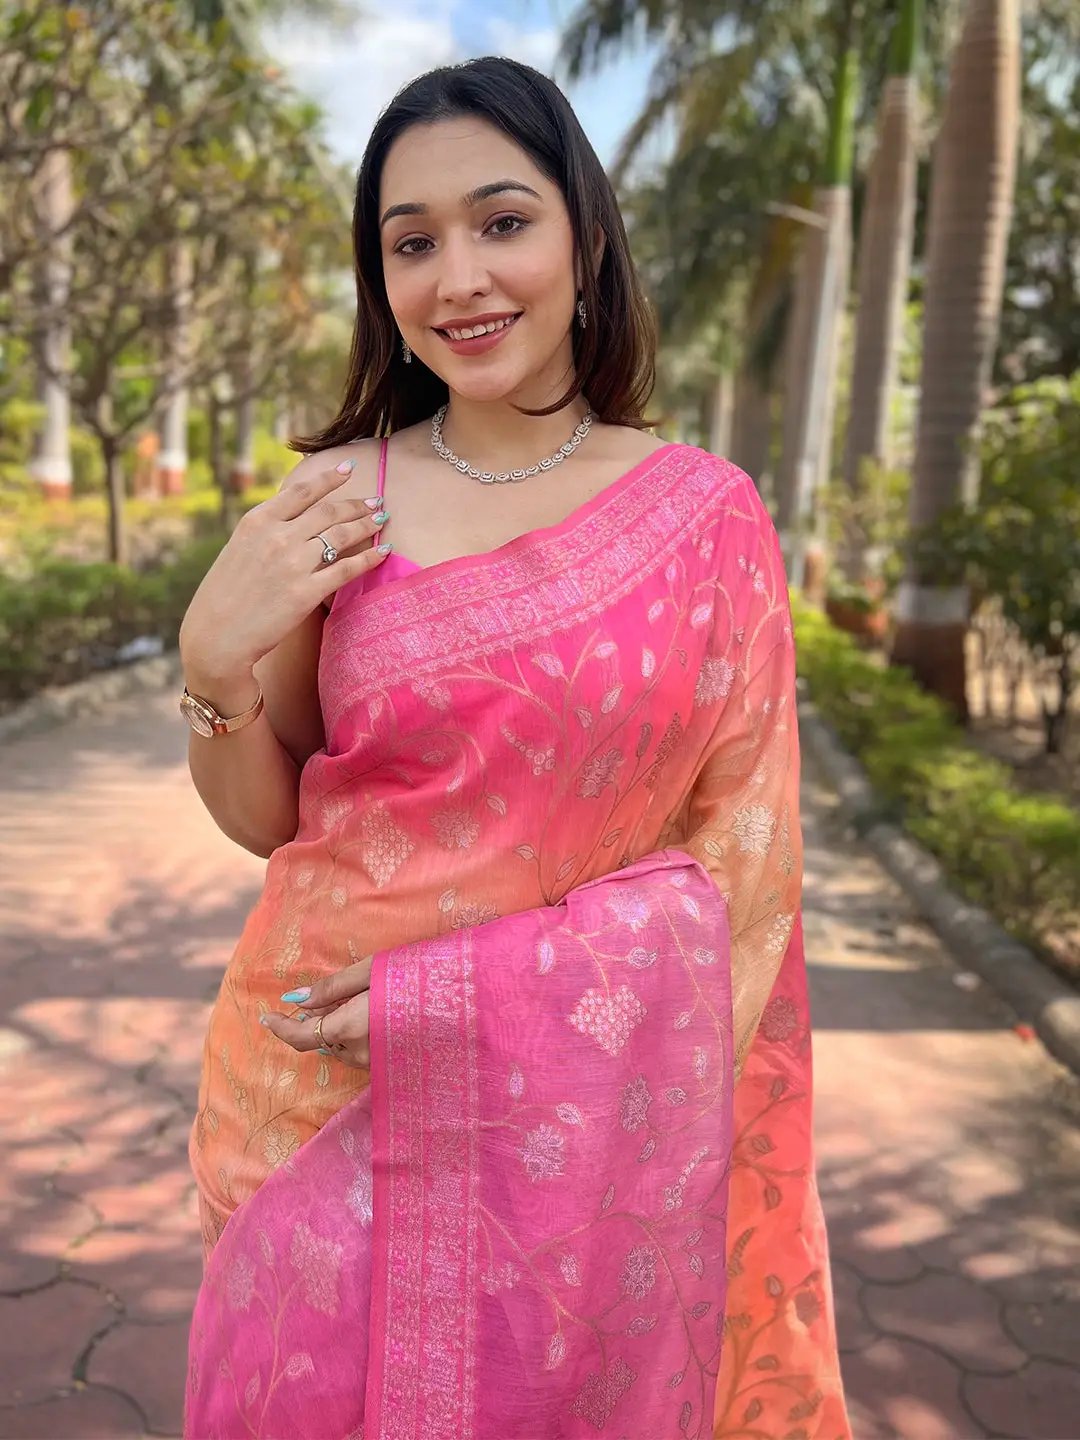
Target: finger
(331, 991)
(346, 538)
(346, 1030)
(299, 495)
(333, 511)
(300, 1035)
(330, 578)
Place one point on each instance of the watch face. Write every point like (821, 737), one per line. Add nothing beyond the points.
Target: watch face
(196, 717)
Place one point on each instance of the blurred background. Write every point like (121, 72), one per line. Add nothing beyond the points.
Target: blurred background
(859, 221)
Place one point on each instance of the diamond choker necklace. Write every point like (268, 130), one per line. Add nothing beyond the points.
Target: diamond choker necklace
(485, 476)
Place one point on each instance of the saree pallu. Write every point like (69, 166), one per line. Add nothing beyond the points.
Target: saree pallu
(539, 763)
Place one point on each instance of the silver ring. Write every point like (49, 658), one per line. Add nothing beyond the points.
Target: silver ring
(329, 554)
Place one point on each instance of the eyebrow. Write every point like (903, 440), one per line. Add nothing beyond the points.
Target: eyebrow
(474, 197)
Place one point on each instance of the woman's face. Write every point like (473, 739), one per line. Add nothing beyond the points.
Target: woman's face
(485, 239)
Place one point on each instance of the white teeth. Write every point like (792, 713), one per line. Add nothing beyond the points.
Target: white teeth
(488, 329)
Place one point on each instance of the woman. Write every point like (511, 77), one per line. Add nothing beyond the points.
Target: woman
(532, 1157)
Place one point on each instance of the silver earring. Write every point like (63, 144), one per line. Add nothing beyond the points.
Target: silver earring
(581, 313)
(406, 352)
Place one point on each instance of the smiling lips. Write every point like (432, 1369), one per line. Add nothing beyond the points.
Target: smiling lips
(482, 335)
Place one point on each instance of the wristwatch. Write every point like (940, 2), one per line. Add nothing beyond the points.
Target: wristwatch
(205, 720)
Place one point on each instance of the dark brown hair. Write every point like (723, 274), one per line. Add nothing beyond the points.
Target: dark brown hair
(614, 353)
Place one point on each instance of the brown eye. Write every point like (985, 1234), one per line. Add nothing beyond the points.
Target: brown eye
(516, 221)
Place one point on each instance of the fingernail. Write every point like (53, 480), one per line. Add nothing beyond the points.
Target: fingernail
(264, 1020)
(297, 997)
(385, 549)
(345, 467)
(323, 1050)
(375, 503)
(380, 518)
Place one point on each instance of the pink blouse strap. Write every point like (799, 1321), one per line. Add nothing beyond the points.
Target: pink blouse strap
(382, 465)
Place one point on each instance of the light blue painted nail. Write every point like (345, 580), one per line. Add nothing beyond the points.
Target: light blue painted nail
(385, 549)
(297, 997)
(265, 1020)
(380, 518)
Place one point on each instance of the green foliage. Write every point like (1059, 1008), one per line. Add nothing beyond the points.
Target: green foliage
(872, 519)
(66, 619)
(1020, 544)
(1014, 853)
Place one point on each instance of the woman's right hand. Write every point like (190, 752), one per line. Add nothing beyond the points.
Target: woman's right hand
(271, 575)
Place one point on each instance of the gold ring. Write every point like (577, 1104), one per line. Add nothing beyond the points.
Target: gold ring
(318, 1031)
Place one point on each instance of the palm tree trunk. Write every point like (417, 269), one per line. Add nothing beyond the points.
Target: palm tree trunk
(719, 410)
(173, 459)
(821, 296)
(884, 267)
(971, 200)
(51, 465)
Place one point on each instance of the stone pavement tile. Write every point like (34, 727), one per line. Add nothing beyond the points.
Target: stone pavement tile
(149, 1363)
(45, 1333)
(853, 1329)
(950, 1313)
(40, 1222)
(1041, 1403)
(908, 1392)
(154, 1269)
(875, 1249)
(89, 1414)
(1046, 1329)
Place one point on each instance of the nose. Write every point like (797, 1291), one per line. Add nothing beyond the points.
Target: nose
(462, 274)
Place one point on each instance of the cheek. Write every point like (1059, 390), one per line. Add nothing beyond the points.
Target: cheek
(541, 276)
(408, 294)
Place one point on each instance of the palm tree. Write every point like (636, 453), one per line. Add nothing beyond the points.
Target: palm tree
(971, 201)
(820, 300)
(885, 247)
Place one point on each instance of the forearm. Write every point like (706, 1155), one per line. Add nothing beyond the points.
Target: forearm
(248, 781)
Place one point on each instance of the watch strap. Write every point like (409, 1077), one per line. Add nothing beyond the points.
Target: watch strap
(226, 725)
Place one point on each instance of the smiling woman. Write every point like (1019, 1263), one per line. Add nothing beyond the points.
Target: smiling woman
(504, 1125)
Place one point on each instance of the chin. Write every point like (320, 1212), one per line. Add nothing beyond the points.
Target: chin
(484, 389)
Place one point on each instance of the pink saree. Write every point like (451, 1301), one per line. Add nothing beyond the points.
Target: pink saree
(575, 1196)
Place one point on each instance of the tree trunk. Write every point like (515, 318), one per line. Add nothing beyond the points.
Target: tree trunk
(885, 244)
(51, 465)
(970, 211)
(114, 483)
(718, 408)
(751, 427)
(173, 459)
(821, 297)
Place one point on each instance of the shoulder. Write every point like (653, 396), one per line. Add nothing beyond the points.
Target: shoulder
(719, 482)
(364, 452)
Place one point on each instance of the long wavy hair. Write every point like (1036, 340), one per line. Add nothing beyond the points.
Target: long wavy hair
(614, 353)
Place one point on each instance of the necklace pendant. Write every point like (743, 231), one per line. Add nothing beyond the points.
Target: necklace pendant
(486, 477)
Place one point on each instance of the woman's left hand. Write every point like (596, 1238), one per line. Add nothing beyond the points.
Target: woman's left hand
(341, 1002)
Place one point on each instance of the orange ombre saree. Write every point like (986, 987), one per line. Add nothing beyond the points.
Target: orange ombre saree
(559, 805)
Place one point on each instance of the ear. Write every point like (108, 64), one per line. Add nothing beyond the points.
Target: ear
(598, 248)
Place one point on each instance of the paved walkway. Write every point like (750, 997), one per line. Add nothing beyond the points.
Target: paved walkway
(949, 1151)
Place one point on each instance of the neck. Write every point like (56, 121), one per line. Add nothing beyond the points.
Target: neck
(492, 435)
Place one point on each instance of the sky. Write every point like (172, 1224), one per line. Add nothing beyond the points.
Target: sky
(354, 72)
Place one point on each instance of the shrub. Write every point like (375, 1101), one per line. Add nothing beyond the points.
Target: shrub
(65, 619)
(1014, 853)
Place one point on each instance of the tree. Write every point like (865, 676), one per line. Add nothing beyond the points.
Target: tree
(970, 209)
(885, 252)
(1041, 315)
